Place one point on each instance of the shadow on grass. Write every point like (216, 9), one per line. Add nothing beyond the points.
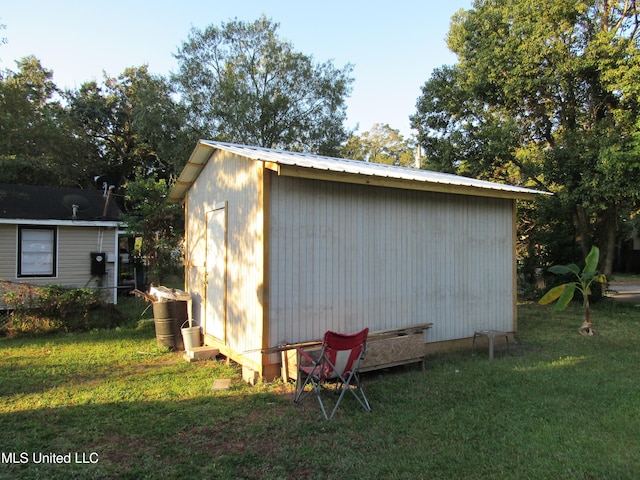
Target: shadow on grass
(220, 435)
(37, 364)
(566, 408)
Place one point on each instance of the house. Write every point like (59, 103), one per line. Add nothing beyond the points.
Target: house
(59, 236)
(282, 246)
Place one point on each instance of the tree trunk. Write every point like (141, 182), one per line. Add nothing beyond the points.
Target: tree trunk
(586, 328)
(583, 236)
(611, 221)
(604, 235)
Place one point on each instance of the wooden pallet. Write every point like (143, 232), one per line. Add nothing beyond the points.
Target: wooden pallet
(385, 349)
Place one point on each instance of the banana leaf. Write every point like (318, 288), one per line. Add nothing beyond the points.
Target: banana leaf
(552, 294)
(564, 269)
(565, 298)
(591, 262)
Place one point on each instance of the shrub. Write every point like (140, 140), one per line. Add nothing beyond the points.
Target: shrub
(54, 308)
(564, 293)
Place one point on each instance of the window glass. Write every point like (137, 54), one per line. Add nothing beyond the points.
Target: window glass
(37, 252)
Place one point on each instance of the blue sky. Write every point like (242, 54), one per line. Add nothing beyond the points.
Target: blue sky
(393, 45)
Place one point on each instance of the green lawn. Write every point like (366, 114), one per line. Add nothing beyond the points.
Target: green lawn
(559, 406)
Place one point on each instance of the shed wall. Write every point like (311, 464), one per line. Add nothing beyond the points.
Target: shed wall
(235, 183)
(347, 256)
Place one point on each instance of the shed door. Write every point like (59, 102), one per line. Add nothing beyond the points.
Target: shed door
(216, 308)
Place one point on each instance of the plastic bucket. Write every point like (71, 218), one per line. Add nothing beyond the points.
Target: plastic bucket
(190, 336)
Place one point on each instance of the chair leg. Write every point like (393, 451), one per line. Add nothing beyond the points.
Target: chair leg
(335, 407)
(357, 392)
(316, 387)
(324, 411)
(299, 388)
(299, 394)
(363, 401)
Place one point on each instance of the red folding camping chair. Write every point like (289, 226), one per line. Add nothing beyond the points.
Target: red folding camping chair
(338, 363)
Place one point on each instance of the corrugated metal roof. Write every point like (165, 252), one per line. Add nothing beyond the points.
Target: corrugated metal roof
(357, 168)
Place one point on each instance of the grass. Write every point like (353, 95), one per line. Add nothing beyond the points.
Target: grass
(559, 406)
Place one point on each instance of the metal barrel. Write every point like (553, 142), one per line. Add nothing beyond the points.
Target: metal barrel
(168, 317)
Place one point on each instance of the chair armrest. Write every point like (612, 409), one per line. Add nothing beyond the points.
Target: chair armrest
(302, 354)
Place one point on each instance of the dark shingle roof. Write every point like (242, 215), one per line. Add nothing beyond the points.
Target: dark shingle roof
(49, 203)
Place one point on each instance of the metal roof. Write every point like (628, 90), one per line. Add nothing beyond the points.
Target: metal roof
(344, 170)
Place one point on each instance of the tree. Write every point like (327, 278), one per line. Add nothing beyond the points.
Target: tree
(543, 94)
(135, 132)
(130, 126)
(241, 83)
(157, 222)
(381, 144)
(33, 129)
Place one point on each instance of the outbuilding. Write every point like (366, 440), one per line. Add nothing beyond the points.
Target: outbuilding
(282, 246)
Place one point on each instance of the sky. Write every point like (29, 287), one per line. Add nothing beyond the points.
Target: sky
(394, 46)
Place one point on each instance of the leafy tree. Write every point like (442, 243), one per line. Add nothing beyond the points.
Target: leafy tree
(241, 83)
(462, 134)
(159, 223)
(544, 94)
(138, 135)
(131, 126)
(381, 144)
(35, 136)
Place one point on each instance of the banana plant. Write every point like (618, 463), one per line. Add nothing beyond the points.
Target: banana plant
(563, 294)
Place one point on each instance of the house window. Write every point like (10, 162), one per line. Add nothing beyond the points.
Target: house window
(37, 251)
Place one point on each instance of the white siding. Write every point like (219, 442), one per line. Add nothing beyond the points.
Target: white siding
(238, 182)
(346, 256)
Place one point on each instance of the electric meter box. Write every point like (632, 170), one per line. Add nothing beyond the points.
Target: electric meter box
(98, 263)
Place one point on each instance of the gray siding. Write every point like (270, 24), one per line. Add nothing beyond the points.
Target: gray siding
(75, 245)
(345, 256)
(8, 249)
(74, 256)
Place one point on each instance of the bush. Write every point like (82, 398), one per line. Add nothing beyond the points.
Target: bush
(55, 308)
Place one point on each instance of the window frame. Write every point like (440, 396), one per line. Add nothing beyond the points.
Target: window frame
(54, 252)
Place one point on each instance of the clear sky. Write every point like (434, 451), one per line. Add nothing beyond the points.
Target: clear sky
(393, 45)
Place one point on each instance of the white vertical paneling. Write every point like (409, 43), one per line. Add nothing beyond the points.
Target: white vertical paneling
(347, 256)
(237, 181)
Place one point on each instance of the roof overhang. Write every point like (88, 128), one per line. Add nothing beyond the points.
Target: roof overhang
(390, 182)
(62, 223)
(317, 167)
(197, 161)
